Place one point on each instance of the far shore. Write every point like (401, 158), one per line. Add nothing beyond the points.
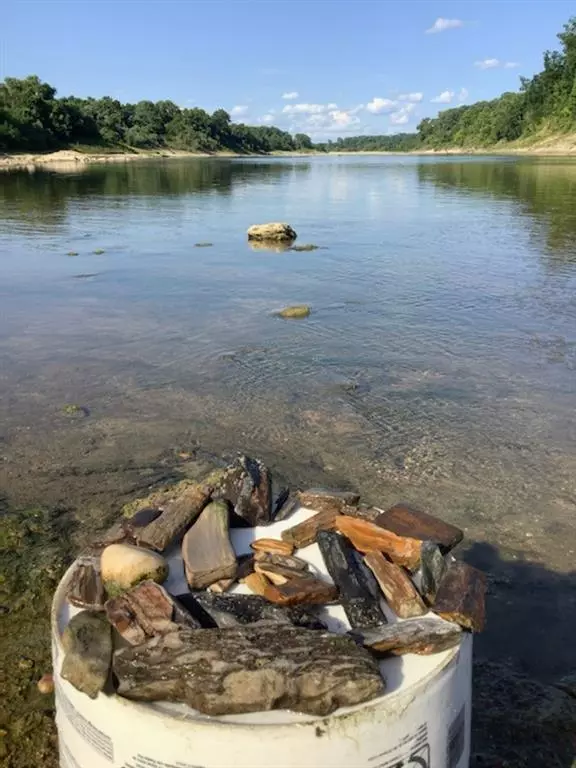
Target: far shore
(66, 159)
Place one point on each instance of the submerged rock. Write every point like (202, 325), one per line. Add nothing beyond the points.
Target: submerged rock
(305, 247)
(206, 549)
(87, 641)
(250, 669)
(124, 565)
(272, 232)
(296, 312)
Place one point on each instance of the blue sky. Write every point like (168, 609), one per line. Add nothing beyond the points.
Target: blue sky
(326, 67)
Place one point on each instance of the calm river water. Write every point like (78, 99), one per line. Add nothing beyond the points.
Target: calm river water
(438, 365)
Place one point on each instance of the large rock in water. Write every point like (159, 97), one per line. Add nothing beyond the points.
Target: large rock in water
(275, 232)
(250, 669)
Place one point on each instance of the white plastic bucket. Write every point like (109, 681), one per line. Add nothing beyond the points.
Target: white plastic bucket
(423, 721)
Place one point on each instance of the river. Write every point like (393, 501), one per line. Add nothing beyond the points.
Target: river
(438, 365)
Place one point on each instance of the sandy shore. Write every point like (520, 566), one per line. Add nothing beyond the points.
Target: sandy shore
(66, 158)
(559, 146)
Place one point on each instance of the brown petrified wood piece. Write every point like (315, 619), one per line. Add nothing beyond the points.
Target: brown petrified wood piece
(361, 607)
(177, 515)
(206, 549)
(368, 537)
(322, 500)
(422, 636)
(286, 561)
(399, 591)
(274, 546)
(303, 534)
(407, 521)
(246, 484)
(460, 597)
(306, 590)
(250, 669)
(278, 574)
(145, 611)
(85, 589)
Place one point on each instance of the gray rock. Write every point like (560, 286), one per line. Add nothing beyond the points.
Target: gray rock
(250, 669)
(87, 641)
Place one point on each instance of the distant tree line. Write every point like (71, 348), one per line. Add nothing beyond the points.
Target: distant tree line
(545, 102)
(397, 142)
(32, 118)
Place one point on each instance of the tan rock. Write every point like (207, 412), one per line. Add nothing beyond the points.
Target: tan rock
(123, 565)
(272, 232)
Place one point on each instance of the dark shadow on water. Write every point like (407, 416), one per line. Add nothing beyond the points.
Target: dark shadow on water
(521, 719)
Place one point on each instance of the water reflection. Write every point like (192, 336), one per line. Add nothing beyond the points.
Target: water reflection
(41, 198)
(545, 189)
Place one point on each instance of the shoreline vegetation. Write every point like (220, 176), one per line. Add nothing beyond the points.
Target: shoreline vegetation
(37, 128)
(563, 145)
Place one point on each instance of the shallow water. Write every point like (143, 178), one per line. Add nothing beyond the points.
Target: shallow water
(437, 366)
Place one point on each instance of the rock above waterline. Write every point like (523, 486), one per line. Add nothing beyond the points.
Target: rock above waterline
(296, 312)
(250, 669)
(123, 566)
(87, 641)
(272, 232)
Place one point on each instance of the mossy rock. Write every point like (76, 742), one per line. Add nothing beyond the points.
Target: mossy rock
(99, 251)
(306, 247)
(77, 411)
(295, 313)
(203, 245)
(72, 253)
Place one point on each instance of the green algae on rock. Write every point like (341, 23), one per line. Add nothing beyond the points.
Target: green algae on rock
(296, 312)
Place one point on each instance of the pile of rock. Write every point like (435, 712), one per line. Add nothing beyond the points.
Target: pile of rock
(222, 652)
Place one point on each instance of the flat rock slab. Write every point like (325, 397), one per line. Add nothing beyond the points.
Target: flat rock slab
(87, 642)
(250, 669)
(423, 636)
(303, 534)
(177, 516)
(223, 611)
(432, 570)
(304, 590)
(85, 589)
(407, 521)
(206, 549)
(461, 596)
(361, 607)
(397, 587)
(144, 612)
(368, 537)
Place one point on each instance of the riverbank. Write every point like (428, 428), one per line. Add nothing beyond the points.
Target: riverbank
(563, 145)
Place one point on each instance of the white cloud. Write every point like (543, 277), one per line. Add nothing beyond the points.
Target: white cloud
(444, 98)
(463, 94)
(379, 105)
(308, 109)
(487, 64)
(440, 25)
(495, 63)
(413, 97)
(289, 95)
(402, 115)
(238, 110)
(266, 119)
